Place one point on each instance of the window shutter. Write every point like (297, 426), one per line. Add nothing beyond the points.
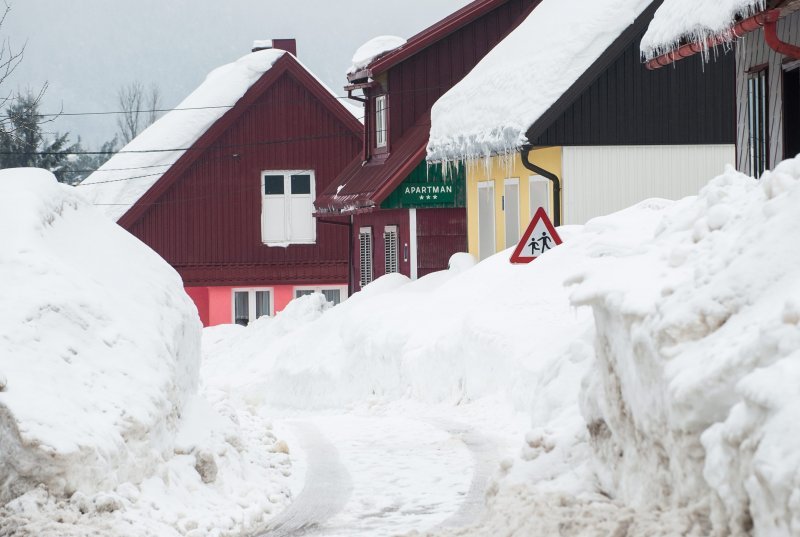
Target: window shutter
(365, 251)
(390, 249)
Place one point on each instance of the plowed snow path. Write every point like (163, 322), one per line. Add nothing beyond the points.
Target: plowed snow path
(380, 476)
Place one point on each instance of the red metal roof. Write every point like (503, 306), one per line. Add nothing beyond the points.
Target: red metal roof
(431, 35)
(365, 185)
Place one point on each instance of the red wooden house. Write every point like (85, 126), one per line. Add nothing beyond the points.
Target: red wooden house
(223, 187)
(405, 216)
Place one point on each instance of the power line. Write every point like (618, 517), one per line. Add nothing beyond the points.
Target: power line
(210, 107)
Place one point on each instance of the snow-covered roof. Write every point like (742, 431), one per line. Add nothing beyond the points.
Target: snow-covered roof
(694, 21)
(374, 49)
(491, 109)
(129, 174)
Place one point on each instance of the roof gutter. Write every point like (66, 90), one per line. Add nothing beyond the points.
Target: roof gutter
(766, 19)
(526, 161)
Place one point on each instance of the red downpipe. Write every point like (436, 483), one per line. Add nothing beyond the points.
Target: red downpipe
(766, 19)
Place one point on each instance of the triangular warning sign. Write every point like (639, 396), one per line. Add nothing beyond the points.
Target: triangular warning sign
(540, 237)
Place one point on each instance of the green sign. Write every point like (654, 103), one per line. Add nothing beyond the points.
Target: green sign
(428, 193)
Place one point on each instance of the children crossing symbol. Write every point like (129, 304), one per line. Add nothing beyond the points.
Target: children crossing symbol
(540, 237)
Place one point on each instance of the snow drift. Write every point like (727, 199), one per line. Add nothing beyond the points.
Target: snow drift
(99, 344)
(694, 399)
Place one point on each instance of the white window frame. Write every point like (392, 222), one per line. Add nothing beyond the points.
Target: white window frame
(366, 260)
(381, 122)
(387, 230)
(492, 248)
(252, 301)
(319, 288)
(548, 200)
(512, 181)
(287, 196)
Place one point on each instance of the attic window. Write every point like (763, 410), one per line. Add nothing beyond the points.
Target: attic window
(287, 208)
(381, 130)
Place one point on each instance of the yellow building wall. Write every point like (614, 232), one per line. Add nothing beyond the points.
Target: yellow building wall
(497, 170)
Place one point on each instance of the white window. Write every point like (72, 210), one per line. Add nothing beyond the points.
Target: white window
(539, 194)
(365, 255)
(287, 208)
(486, 215)
(250, 304)
(390, 249)
(380, 121)
(333, 294)
(511, 211)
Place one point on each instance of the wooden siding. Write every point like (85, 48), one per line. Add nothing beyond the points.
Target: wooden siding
(626, 104)
(751, 52)
(602, 180)
(208, 223)
(416, 84)
(440, 234)
(378, 220)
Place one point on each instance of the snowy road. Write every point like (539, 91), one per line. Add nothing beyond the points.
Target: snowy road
(382, 476)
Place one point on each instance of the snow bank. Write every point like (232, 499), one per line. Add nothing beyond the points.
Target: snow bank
(694, 21)
(490, 111)
(99, 344)
(694, 401)
(101, 429)
(374, 49)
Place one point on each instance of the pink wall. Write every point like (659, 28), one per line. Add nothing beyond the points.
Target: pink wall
(215, 304)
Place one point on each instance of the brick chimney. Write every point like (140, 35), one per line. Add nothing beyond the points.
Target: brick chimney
(289, 45)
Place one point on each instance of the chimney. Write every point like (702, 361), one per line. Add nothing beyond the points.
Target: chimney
(289, 45)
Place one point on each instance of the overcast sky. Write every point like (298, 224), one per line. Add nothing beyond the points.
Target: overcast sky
(87, 49)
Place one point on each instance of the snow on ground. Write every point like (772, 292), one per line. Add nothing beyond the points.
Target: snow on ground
(694, 21)
(694, 397)
(374, 49)
(496, 348)
(101, 429)
(491, 109)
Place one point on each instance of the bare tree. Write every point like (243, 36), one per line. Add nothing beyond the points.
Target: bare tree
(139, 109)
(9, 60)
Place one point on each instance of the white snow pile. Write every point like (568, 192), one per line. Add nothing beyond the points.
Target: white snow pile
(492, 108)
(99, 345)
(125, 178)
(694, 400)
(694, 21)
(101, 430)
(373, 50)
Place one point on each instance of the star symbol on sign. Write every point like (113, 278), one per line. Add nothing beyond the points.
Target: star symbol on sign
(422, 197)
(435, 197)
(429, 197)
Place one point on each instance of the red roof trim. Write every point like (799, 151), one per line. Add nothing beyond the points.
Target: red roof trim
(285, 64)
(431, 35)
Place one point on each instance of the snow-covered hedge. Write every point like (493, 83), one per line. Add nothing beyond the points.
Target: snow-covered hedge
(694, 401)
(99, 345)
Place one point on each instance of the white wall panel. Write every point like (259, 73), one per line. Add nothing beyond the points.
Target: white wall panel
(602, 180)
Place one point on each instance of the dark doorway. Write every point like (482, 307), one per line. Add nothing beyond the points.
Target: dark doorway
(791, 113)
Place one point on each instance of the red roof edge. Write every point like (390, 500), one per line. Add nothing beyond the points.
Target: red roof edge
(286, 63)
(431, 35)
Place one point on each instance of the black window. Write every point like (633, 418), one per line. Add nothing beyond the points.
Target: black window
(757, 121)
(301, 184)
(273, 185)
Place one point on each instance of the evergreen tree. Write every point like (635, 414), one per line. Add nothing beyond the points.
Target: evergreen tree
(24, 144)
(80, 167)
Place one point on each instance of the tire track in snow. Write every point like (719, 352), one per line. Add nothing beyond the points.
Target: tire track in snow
(327, 487)
(484, 453)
